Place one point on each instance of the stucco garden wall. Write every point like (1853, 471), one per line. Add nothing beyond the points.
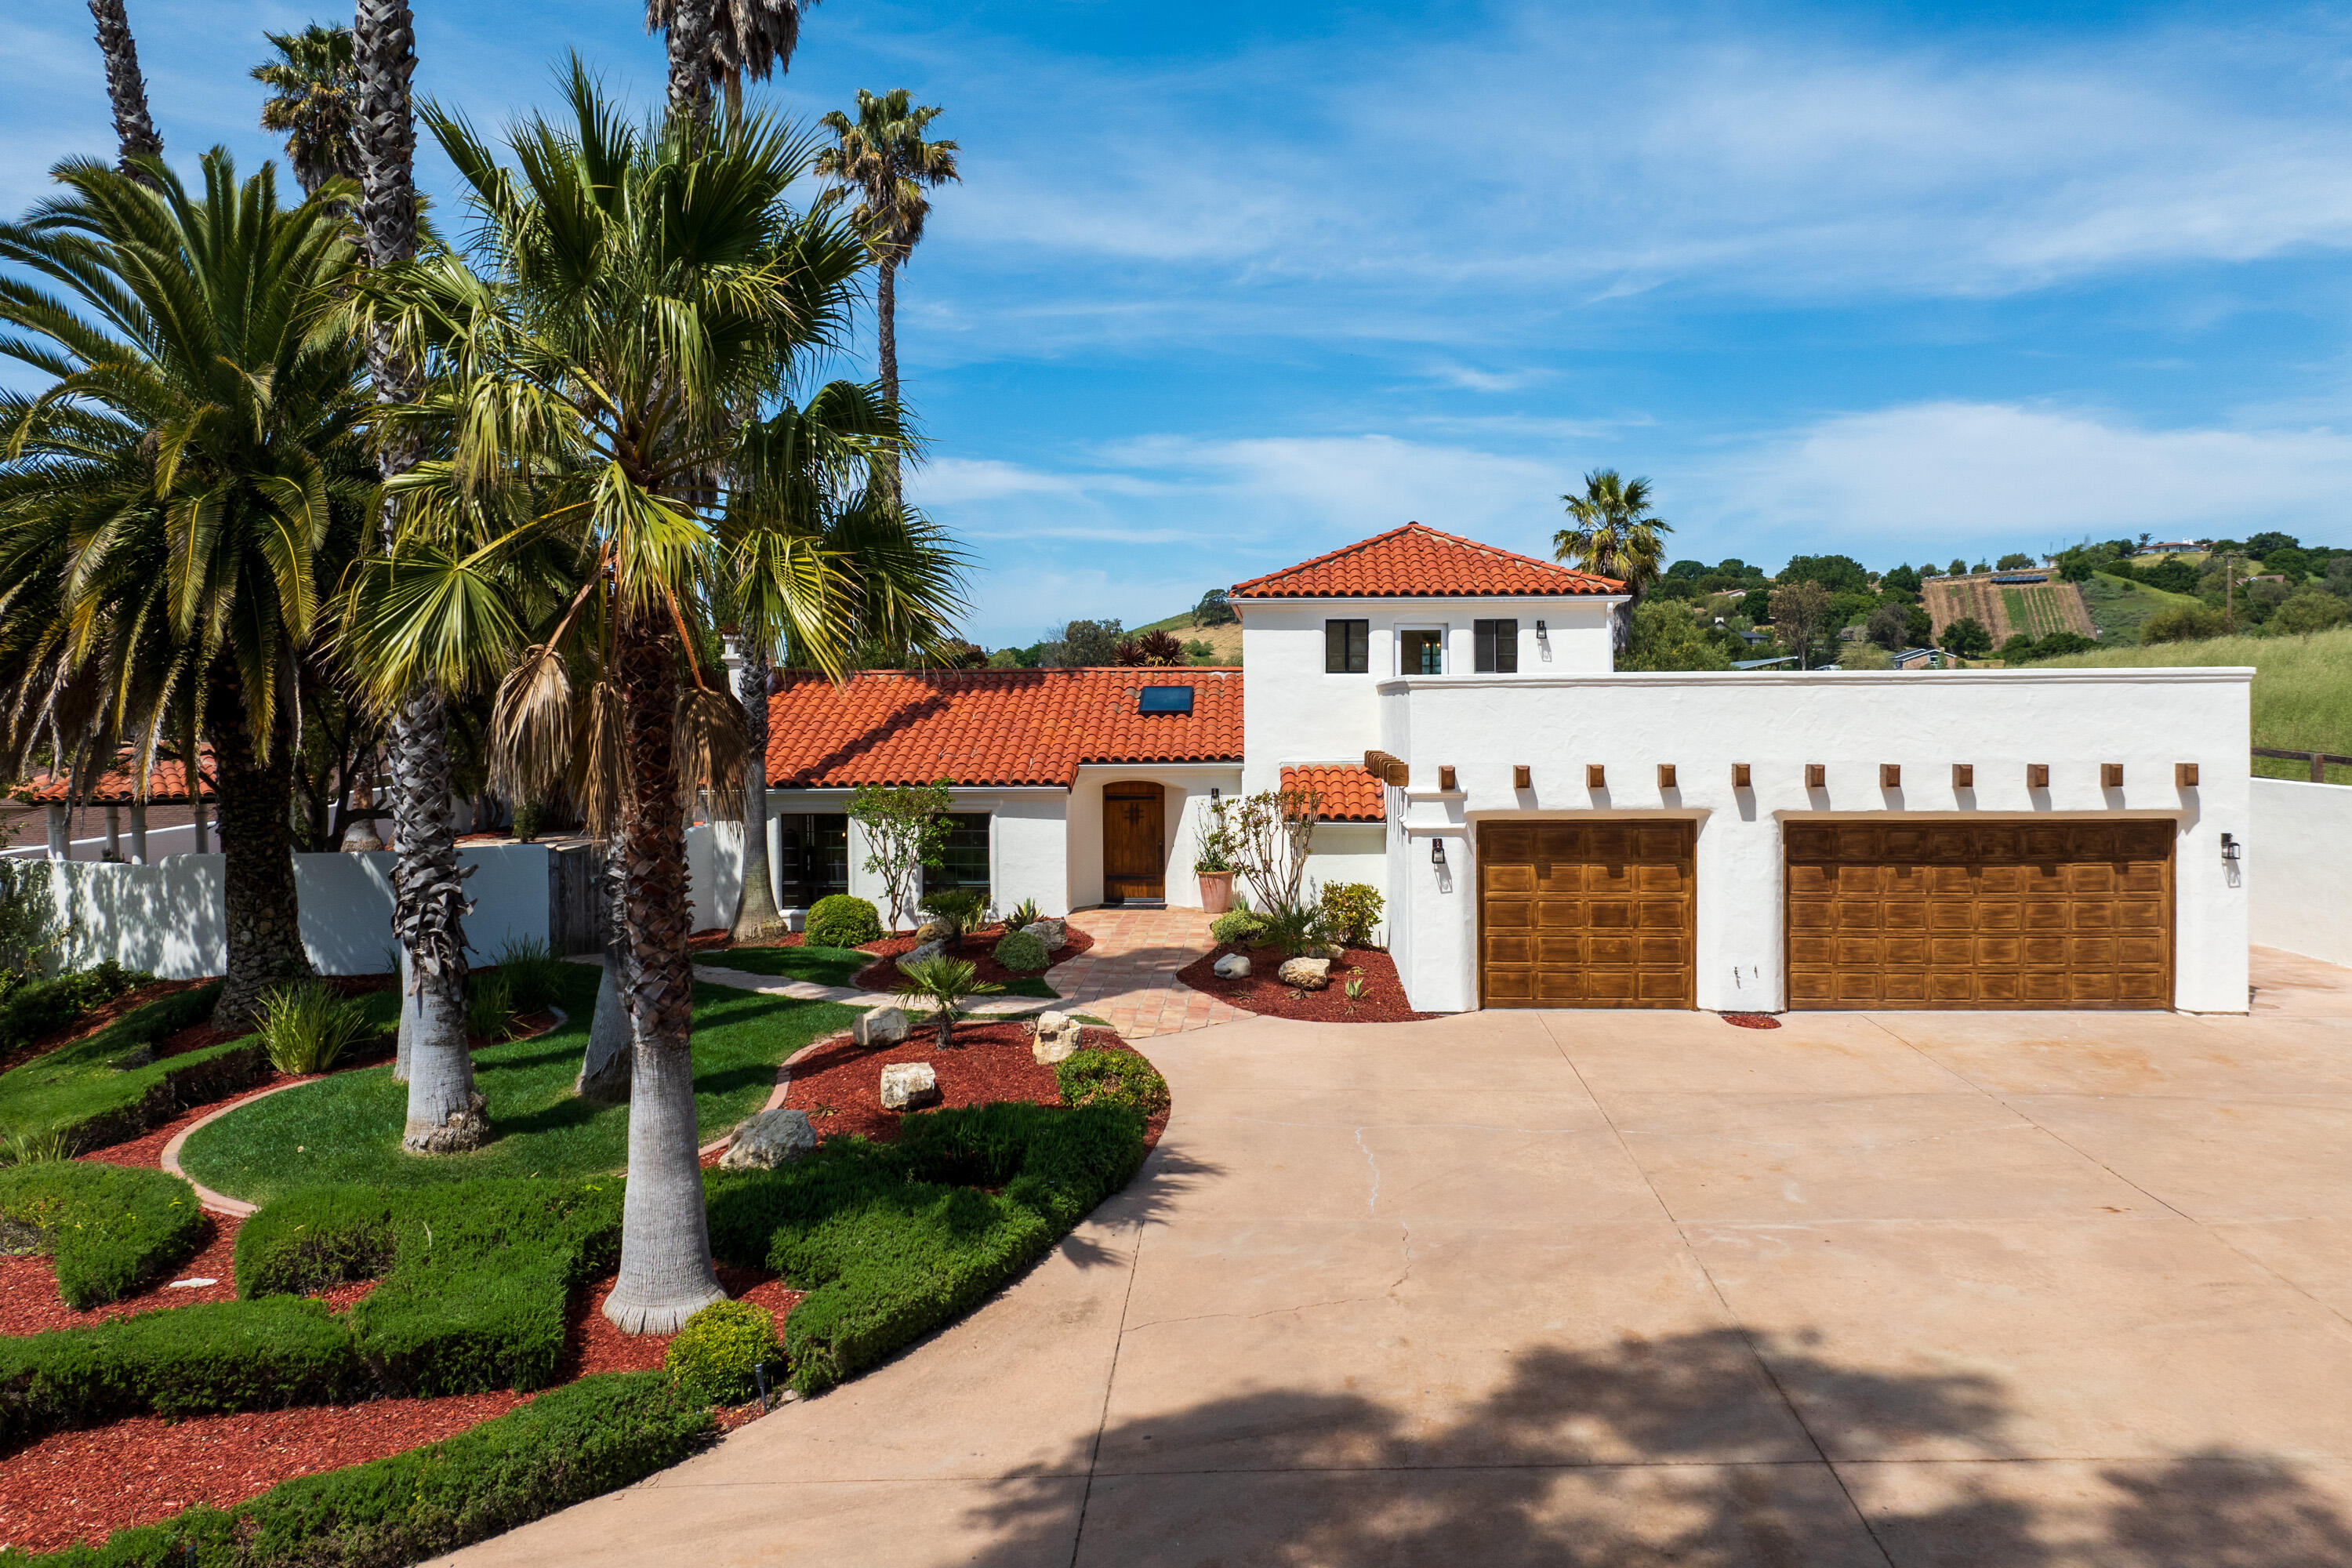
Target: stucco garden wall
(1852, 722)
(1185, 788)
(2299, 867)
(1292, 711)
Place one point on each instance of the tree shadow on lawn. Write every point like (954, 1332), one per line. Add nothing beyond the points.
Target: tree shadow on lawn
(1681, 1450)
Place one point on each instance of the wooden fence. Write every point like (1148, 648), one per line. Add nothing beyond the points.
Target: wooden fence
(2319, 761)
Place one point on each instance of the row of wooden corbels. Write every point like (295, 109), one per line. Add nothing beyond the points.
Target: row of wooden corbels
(1817, 774)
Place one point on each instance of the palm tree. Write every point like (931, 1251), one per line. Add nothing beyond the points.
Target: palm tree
(314, 100)
(1614, 536)
(885, 159)
(126, 88)
(735, 39)
(629, 289)
(172, 503)
(445, 1114)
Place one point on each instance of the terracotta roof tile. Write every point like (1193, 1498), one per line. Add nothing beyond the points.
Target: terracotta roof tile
(1418, 562)
(992, 726)
(165, 783)
(1346, 793)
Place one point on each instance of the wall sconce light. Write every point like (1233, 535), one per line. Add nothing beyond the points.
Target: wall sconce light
(2230, 848)
(1542, 631)
(1215, 794)
(1437, 851)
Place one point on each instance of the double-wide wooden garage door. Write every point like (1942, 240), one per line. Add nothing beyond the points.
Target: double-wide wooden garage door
(1991, 914)
(1586, 914)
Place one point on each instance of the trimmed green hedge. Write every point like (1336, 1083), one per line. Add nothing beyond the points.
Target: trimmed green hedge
(890, 1242)
(565, 1446)
(41, 1007)
(112, 1230)
(109, 1087)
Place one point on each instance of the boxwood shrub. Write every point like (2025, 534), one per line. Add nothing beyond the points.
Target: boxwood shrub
(844, 920)
(1019, 950)
(114, 1230)
(566, 1446)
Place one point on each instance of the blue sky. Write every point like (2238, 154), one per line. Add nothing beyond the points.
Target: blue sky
(1229, 285)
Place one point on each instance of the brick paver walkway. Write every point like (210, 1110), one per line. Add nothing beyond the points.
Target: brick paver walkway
(1127, 979)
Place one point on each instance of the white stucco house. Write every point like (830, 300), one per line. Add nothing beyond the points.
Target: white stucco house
(1550, 832)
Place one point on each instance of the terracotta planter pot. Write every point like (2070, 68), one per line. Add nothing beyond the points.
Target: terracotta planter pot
(1216, 891)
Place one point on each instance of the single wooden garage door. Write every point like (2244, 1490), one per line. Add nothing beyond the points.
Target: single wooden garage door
(1577, 914)
(1991, 914)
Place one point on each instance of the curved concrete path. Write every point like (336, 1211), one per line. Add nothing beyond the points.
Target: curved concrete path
(2010, 1290)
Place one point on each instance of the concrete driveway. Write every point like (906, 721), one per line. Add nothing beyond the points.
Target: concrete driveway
(2013, 1289)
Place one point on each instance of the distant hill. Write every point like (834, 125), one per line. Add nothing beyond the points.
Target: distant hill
(2036, 609)
(2303, 688)
(1226, 639)
(2119, 606)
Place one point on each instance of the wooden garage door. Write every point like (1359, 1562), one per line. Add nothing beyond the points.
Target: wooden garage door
(1577, 914)
(1993, 914)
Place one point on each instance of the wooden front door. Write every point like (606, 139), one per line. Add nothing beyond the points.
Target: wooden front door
(1577, 914)
(1135, 843)
(1997, 914)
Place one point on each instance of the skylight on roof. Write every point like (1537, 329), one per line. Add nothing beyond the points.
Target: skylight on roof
(1164, 699)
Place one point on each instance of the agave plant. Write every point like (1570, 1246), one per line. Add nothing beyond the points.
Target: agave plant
(943, 983)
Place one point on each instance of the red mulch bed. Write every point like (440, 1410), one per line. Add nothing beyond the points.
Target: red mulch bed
(1752, 1020)
(1383, 1001)
(977, 949)
(839, 1084)
(29, 1303)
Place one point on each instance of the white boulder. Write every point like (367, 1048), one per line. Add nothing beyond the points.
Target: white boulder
(1307, 974)
(1054, 933)
(910, 1085)
(1233, 966)
(771, 1138)
(882, 1027)
(1056, 1038)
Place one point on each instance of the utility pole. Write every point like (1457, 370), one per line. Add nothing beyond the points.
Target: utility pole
(2230, 589)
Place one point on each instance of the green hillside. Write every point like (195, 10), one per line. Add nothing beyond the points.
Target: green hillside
(1225, 639)
(2303, 688)
(2119, 607)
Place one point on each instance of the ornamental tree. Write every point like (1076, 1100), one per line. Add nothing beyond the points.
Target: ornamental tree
(905, 830)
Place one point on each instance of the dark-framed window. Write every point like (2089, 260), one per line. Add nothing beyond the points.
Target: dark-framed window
(1347, 648)
(1498, 646)
(1421, 650)
(963, 859)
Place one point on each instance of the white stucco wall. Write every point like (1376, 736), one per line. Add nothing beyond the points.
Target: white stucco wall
(1027, 843)
(2147, 720)
(1185, 788)
(1349, 852)
(1293, 711)
(2299, 867)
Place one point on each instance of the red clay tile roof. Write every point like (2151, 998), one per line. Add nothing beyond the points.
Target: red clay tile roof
(992, 726)
(1419, 562)
(165, 782)
(1346, 793)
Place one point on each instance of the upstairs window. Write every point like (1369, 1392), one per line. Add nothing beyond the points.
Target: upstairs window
(1347, 648)
(1498, 646)
(1421, 652)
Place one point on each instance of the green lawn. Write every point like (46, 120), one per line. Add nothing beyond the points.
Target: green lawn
(2303, 688)
(346, 1128)
(824, 965)
(2119, 608)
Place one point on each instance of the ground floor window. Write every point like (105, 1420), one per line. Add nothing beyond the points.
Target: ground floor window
(812, 856)
(963, 859)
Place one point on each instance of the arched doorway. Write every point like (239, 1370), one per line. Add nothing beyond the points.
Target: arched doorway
(1135, 842)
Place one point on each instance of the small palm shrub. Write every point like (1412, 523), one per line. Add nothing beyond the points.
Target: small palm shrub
(533, 971)
(943, 983)
(1237, 926)
(305, 1027)
(1020, 951)
(1025, 913)
(842, 920)
(1112, 1078)
(1295, 928)
(961, 910)
(713, 1357)
(1352, 910)
(489, 1005)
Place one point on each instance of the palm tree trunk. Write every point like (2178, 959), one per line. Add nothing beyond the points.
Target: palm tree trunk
(604, 1071)
(756, 914)
(665, 1274)
(261, 909)
(689, 58)
(126, 88)
(886, 309)
(445, 1114)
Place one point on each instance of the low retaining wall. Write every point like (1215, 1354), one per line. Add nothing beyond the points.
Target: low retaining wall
(2299, 866)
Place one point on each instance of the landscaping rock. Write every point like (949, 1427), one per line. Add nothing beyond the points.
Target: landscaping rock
(932, 934)
(771, 1138)
(910, 1085)
(1233, 966)
(1054, 933)
(882, 1027)
(928, 950)
(1305, 973)
(1056, 1038)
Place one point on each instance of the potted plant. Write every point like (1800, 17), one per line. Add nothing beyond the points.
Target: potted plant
(1213, 862)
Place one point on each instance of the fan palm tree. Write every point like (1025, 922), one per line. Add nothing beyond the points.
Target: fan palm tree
(720, 43)
(1615, 536)
(628, 289)
(882, 158)
(172, 503)
(314, 100)
(444, 1113)
(126, 88)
